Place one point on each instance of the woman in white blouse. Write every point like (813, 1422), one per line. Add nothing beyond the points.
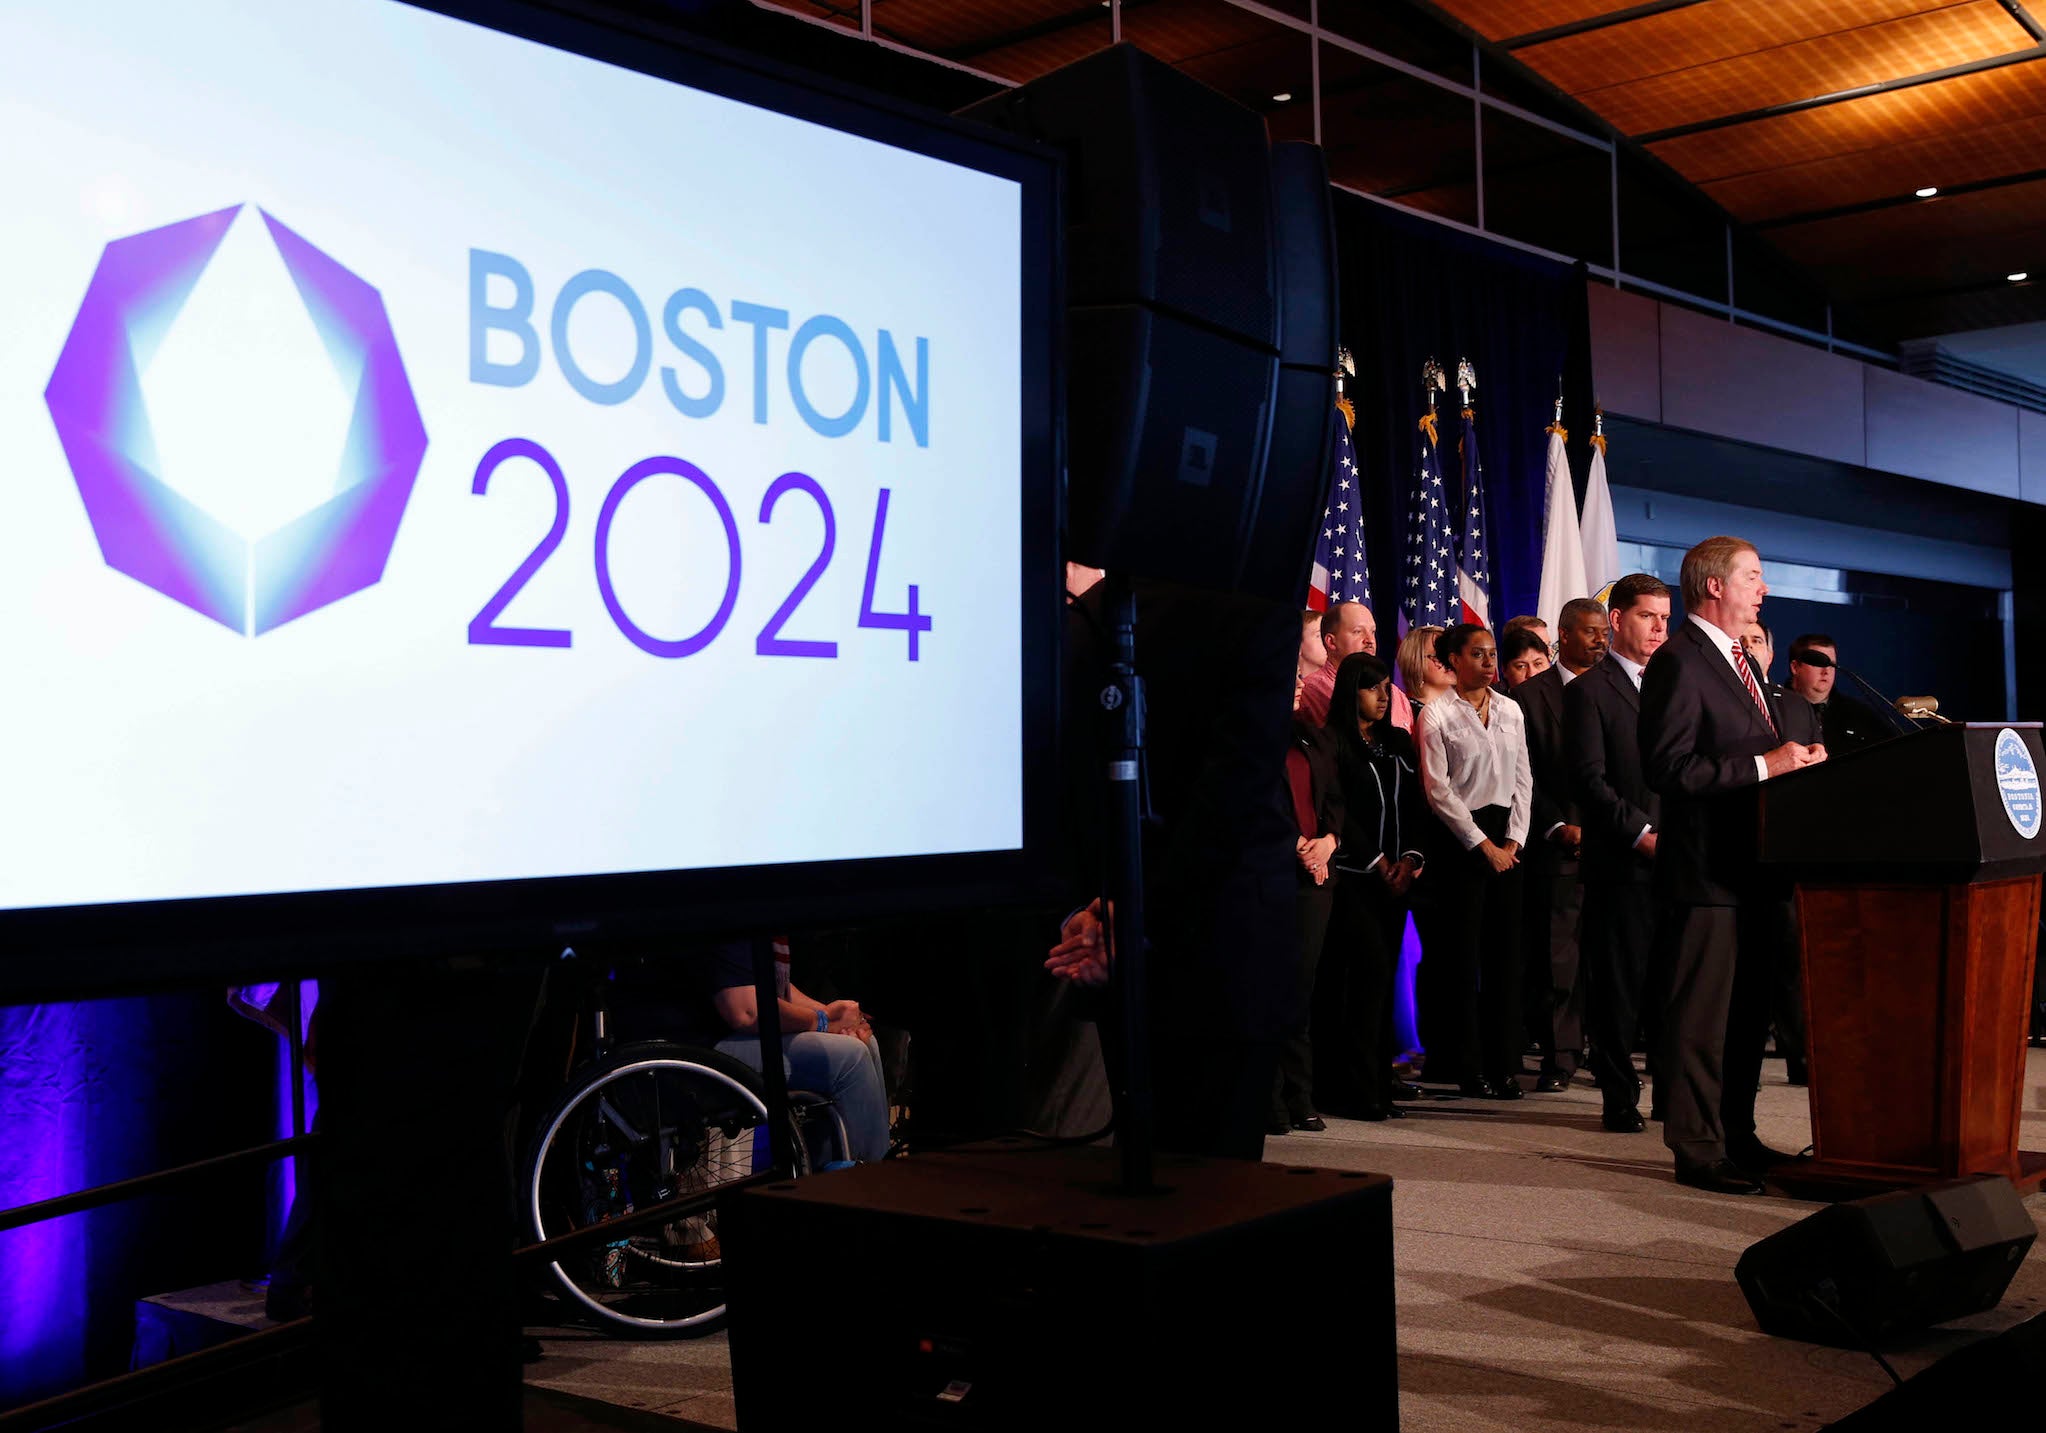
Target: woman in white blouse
(1474, 770)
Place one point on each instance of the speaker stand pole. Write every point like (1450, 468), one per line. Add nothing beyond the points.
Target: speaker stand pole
(1122, 701)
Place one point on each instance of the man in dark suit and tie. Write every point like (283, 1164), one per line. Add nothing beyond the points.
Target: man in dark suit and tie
(1786, 992)
(1602, 751)
(1709, 736)
(1554, 1002)
(1800, 719)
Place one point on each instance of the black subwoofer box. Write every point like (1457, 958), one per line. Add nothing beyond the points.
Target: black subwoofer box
(1007, 1286)
(1854, 1273)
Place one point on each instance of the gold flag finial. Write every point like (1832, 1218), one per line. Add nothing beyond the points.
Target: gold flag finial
(1466, 379)
(1433, 381)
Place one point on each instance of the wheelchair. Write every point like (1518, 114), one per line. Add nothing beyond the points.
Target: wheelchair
(644, 1123)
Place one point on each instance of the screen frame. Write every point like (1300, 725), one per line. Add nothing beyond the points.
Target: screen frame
(72, 951)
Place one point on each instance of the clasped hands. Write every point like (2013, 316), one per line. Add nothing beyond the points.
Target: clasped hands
(846, 1018)
(1081, 955)
(1792, 755)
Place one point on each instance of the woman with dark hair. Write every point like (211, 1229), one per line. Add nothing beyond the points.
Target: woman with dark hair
(1375, 868)
(1475, 773)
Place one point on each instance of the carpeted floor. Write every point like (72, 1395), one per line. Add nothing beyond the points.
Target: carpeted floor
(1550, 1276)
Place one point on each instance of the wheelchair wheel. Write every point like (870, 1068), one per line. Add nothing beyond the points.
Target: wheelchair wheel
(652, 1122)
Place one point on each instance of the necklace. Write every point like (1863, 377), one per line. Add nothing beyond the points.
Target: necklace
(1483, 706)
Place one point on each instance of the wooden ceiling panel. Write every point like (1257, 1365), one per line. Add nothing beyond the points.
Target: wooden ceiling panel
(959, 31)
(2017, 146)
(1967, 240)
(1951, 108)
(1699, 35)
(1186, 33)
(1040, 54)
(1824, 65)
(1503, 19)
(838, 12)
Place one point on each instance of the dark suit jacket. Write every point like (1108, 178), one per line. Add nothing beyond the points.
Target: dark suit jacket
(1800, 717)
(1849, 725)
(1541, 701)
(1700, 734)
(1602, 751)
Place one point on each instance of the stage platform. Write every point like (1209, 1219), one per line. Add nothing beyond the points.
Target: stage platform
(1550, 1276)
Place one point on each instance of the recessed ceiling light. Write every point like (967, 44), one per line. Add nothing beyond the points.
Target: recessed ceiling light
(1282, 96)
(2019, 277)
(1928, 191)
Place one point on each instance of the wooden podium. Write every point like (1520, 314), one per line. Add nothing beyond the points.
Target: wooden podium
(1917, 865)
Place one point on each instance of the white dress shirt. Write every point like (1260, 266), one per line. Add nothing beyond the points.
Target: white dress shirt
(1467, 764)
(1724, 644)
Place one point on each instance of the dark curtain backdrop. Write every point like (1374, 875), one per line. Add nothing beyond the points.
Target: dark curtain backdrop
(102, 1090)
(1413, 290)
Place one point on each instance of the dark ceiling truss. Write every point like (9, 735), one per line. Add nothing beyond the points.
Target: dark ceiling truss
(2024, 18)
(1894, 201)
(1595, 22)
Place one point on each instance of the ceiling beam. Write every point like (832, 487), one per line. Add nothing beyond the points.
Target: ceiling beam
(1897, 201)
(1594, 22)
(1902, 82)
(2019, 14)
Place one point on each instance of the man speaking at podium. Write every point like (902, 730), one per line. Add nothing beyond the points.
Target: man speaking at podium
(1710, 733)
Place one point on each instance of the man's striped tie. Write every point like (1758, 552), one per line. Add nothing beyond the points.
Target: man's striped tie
(1748, 675)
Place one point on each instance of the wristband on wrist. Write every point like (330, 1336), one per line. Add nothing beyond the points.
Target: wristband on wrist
(823, 1020)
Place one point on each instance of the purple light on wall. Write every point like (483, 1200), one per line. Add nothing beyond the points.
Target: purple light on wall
(45, 1052)
(1406, 1023)
(287, 1169)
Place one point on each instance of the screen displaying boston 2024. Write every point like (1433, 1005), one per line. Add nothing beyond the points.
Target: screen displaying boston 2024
(434, 457)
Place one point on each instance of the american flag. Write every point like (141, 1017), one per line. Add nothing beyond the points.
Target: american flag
(1474, 571)
(1430, 598)
(1341, 573)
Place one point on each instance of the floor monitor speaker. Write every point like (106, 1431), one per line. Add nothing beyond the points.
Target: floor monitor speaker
(1008, 1286)
(1854, 1273)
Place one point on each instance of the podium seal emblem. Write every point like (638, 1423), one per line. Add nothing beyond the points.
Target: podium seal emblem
(2017, 782)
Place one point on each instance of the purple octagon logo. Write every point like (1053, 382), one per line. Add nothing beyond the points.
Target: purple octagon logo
(160, 537)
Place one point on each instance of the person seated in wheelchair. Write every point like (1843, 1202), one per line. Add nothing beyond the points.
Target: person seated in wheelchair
(827, 1049)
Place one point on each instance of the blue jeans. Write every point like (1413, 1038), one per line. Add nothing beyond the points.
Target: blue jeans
(840, 1067)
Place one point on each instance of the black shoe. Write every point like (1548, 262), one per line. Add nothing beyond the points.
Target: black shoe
(1475, 1089)
(1551, 1084)
(1311, 1122)
(1756, 1158)
(1722, 1176)
(1405, 1090)
(1622, 1119)
(1380, 1112)
(1796, 1072)
(1507, 1089)
(1278, 1124)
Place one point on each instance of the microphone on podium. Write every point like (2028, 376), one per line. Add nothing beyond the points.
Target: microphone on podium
(1921, 709)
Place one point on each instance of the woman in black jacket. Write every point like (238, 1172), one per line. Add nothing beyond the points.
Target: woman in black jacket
(1375, 869)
